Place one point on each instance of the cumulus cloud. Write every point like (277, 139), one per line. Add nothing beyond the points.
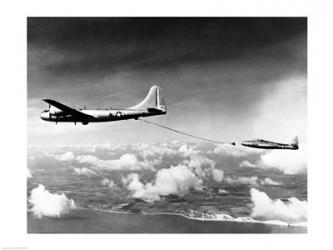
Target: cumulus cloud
(217, 175)
(187, 150)
(174, 180)
(67, 156)
(204, 168)
(222, 191)
(125, 162)
(45, 203)
(288, 161)
(155, 150)
(242, 180)
(108, 183)
(178, 180)
(252, 180)
(235, 151)
(85, 171)
(269, 182)
(247, 164)
(291, 211)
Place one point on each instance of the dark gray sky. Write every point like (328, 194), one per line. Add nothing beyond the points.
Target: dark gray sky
(223, 78)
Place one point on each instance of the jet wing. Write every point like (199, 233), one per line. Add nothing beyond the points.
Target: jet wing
(73, 112)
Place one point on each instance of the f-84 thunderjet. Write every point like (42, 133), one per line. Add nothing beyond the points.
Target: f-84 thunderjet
(271, 145)
(152, 105)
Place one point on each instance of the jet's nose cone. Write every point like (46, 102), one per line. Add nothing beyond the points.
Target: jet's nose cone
(44, 115)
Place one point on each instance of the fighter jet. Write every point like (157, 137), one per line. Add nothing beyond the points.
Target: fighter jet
(152, 105)
(271, 145)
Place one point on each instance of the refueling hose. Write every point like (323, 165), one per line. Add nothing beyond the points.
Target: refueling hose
(186, 134)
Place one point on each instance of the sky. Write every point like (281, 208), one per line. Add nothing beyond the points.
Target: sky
(228, 79)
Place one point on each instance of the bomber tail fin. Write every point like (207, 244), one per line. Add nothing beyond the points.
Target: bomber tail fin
(294, 142)
(153, 101)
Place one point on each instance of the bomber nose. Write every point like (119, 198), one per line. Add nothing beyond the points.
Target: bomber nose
(44, 115)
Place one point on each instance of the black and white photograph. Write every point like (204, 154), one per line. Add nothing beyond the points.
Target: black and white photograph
(166, 125)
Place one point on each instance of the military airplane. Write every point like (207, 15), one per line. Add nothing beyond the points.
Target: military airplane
(152, 105)
(271, 145)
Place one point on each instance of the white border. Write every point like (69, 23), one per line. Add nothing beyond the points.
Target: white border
(13, 122)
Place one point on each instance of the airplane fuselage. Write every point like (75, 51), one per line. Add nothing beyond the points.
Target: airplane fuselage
(99, 115)
(268, 145)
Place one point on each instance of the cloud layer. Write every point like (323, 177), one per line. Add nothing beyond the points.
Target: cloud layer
(125, 162)
(67, 156)
(235, 151)
(45, 203)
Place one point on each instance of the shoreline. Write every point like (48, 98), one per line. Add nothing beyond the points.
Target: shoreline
(230, 218)
(84, 220)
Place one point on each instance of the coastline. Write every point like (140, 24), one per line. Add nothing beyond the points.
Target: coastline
(100, 221)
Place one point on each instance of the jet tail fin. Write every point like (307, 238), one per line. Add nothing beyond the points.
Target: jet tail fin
(153, 101)
(294, 142)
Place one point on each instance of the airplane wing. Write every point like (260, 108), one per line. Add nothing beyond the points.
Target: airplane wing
(73, 112)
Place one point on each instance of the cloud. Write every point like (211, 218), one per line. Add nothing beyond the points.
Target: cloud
(45, 203)
(264, 207)
(217, 175)
(125, 162)
(177, 180)
(108, 183)
(204, 168)
(29, 174)
(247, 164)
(67, 156)
(236, 151)
(85, 171)
(253, 181)
(152, 150)
(289, 162)
(269, 182)
(187, 150)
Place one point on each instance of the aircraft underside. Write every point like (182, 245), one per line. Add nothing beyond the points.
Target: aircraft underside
(68, 118)
(272, 146)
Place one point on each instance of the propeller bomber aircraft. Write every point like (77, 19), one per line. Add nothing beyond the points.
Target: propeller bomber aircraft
(152, 105)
